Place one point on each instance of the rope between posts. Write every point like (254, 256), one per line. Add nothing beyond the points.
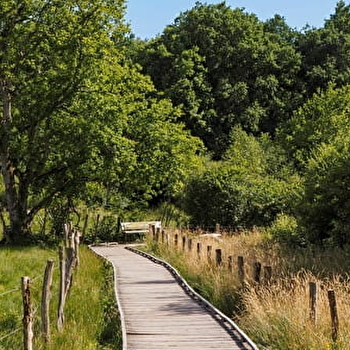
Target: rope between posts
(11, 333)
(17, 289)
(9, 291)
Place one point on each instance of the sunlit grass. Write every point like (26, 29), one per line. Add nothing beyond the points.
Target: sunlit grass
(86, 317)
(274, 313)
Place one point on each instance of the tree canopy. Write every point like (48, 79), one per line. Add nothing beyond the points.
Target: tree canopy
(225, 68)
(68, 101)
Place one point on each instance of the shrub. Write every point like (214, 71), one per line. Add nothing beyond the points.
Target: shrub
(285, 230)
(324, 210)
(234, 197)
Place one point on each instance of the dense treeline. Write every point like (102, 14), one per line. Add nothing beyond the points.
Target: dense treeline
(233, 119)
(271, 104)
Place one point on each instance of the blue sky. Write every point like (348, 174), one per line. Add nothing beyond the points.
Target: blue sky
(149, 17)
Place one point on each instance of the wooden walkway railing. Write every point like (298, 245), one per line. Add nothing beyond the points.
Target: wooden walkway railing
(160, 311)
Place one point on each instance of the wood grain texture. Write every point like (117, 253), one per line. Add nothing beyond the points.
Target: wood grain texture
(158, 314)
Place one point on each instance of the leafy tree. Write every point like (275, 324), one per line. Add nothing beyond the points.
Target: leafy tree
(318, 138)
(54, 57)
(324, 209)
(318, 121)
(225, 68)
(69, 102)
(325, 52)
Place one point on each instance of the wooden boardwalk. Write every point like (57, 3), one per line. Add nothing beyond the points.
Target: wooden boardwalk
(156, 312)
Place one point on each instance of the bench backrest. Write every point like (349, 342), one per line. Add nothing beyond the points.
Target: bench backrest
(138, 226)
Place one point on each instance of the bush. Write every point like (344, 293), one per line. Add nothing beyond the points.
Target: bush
(285, 230)
(234, 197)
(324, 210)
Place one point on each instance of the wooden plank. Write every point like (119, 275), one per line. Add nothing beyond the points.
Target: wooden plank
(158, 314)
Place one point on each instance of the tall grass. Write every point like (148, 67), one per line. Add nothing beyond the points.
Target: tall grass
(275, 313)
(90, 309)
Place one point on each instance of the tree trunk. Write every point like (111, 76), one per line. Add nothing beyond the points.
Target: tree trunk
(15, 207)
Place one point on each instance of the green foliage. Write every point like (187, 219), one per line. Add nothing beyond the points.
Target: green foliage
(77, 115)
(285, 230)
(249, 188)
(225, 68)
(317, 137)
(107, 230)
(325, 52)
(325, 207)
(318, 121)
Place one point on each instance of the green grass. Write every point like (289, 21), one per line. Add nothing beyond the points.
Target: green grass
(91, 317)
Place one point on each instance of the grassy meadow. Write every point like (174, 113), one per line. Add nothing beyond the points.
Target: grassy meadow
(275, 313)
(91, 318)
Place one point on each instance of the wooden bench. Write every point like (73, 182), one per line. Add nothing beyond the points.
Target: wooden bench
(138, 228)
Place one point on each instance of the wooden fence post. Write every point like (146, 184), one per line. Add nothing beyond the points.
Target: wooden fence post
(176, 239)
(209, 249)
(45, 301)
(183, 242)
(217, 228)
(163, 236)
(71, 263)
(199, 249)
(240, 265)
(256, 272)
(313, 301)
(27, 314)
(76, 245)
(190, 244)
(62, 291)
(167, 239)
(334, 314)
(230, 263)
(218, 257)
(157, 234)
(267, 274)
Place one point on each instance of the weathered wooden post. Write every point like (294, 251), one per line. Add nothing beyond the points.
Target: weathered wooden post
(189, 244)
(163, 236)
(256, 272)
(267, 274)
(230, 263)
(199, 249)
(71, 263)
(176, 239)
(240, 265)
(209, 249)
(27, 314)
(62, 291)
(313, 302)
(218, 257)
(334, 314)
(76, 245)
(158, 233)
(217, 228)
(183, 243)
(45, 301)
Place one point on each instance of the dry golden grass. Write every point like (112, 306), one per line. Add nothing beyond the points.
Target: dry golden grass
(276, 311)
